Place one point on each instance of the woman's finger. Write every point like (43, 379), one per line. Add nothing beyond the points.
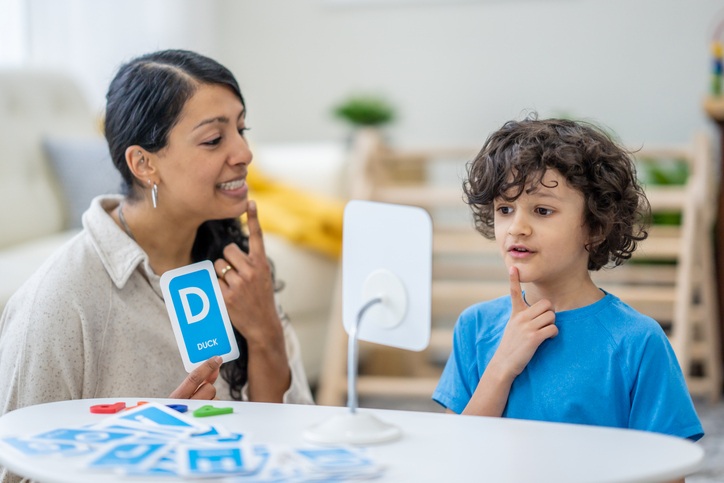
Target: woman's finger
(208, 371)
(206, 391)
(256, 240)
(223, 268)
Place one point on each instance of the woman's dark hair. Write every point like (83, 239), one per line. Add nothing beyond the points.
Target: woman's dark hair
(143, 103)
(515, 158)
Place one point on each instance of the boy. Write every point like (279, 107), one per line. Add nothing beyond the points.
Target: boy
(561, 199)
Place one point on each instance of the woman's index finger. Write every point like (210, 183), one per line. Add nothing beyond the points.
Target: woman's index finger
(256, 240)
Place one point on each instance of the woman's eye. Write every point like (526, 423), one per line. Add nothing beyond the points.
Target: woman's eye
(544, 211)
(213, 142)
(242, 130)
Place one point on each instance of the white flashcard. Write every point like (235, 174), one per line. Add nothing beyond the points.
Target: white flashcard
(342, 463)
(128, 456)
(42, 449)
(198, 314)
(166, 466)
(220, 460)
(335, 459)
(86, 436)
(156, 417)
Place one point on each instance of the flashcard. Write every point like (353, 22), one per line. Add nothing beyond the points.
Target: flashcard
(165, 466)
(88, 436)
(198, 461)
(217, 435)
(230, 438)
(276, 464)
(198, 314)
(332, 458)
(143, 430)
(338, 462)
(155, 417)
(32, 447)
(128, 456)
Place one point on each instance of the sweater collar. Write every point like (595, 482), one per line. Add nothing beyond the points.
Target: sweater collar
(120, 255)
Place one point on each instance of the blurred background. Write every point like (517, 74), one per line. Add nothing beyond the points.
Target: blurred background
(453, 69)
(441, 73)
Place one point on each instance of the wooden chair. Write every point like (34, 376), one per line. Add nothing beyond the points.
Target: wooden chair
(670, 278)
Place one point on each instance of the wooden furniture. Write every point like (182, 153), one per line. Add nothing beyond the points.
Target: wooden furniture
(671, 277)
(714, 107)
(433, 447)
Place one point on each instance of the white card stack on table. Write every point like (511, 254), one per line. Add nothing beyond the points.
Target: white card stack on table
(154, 440)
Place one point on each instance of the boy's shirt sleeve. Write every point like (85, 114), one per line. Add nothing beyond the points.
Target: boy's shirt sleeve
(456, 386)
(660, 399)
(475, 339)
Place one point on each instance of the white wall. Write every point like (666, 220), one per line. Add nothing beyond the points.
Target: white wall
(90, 39)
(456, 71)
(12, 25)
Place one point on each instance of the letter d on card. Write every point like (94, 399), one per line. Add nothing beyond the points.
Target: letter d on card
(198, 314)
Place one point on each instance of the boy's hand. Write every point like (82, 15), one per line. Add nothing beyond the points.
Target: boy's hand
(527, 328)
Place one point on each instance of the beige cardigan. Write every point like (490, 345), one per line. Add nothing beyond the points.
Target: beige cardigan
(91, 323)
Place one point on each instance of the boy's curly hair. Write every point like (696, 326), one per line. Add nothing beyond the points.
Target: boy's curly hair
(516, 157)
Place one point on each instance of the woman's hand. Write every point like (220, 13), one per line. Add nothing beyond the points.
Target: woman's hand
(247, 286)
(248, 290)
(199, 384)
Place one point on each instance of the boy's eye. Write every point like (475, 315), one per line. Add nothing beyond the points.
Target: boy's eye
(505, 210)
(544, 211)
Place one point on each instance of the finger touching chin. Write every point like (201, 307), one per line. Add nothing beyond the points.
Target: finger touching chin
(522, 273)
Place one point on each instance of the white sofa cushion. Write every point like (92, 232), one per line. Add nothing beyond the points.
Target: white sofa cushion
(33, 104)
(21, 261)
(318, 167)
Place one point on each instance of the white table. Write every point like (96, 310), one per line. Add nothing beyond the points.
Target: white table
(434, 447)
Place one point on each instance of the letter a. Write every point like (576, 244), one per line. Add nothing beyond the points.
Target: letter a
(184, 293)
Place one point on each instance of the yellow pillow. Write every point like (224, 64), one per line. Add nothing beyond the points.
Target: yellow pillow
(307, 219)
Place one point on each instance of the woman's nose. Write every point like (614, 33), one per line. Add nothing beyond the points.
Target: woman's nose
(241, 154)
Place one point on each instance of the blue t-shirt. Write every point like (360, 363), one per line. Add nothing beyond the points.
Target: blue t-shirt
(608, 366)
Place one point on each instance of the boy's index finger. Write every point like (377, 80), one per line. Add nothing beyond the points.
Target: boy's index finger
(516, 292)
(256, 240)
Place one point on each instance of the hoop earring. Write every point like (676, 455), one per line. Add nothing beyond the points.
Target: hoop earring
(154, 195)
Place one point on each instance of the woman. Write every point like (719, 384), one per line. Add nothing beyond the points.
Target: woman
(92, 322)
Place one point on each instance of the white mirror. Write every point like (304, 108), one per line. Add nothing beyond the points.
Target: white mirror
(386, 296)
(387, 250)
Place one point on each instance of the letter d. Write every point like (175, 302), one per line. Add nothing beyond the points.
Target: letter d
(191, 318)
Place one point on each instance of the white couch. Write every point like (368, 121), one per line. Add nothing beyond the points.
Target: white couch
(47, 126)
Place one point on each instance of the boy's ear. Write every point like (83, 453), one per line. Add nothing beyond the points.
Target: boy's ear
(595, 239)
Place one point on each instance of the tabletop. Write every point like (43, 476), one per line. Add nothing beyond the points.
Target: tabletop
(433, 446)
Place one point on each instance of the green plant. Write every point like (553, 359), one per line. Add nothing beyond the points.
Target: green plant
(365, 110)
(664, 172)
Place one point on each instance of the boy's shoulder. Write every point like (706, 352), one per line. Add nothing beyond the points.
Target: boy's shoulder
(626, 313)
(489, 316)
(625, 323)
(488, 308)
